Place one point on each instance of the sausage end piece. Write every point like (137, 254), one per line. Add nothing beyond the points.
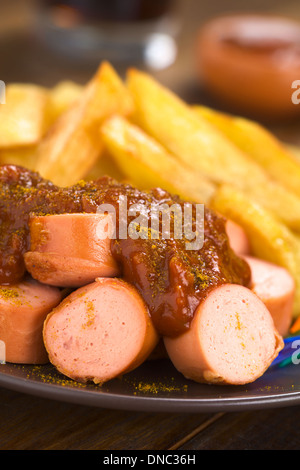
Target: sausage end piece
(23, 310)
(276, 288)
(231, 339)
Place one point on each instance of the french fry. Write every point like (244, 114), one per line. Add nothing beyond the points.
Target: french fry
(269, 238)
(105, 166)
(284, 204)
(23, 120)
(196, 142)
(260, 144)
(72, 145)
(147, 164)
(21, 156)
(61, 97)
(294, 150)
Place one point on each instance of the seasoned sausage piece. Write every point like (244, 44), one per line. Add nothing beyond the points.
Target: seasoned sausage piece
(276, 288)
(238, 238)
(70, 250)
(231, 340)
(23, 309)
(99, 332)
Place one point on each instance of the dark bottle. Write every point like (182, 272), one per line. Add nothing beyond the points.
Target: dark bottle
(123, 32)
(114, 10)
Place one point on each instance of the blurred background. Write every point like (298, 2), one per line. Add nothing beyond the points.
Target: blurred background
(45, 41)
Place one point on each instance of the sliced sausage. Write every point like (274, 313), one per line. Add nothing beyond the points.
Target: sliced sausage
(100, 331)
(69, 250)
(238, 238)
(276, 288)
(231, 339)
(23, 309)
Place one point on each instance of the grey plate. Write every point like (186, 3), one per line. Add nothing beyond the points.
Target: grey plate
(157, 386)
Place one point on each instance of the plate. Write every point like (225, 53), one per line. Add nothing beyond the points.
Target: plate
(156, 386)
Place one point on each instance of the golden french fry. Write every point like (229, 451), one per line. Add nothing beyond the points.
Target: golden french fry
(21, 156)
(146, 163)
(196, 142)
(269, 238)
(260, 144)
(71, 147)
(23, 119)
(284, 204)
(294, 150)
(203, 147)
(105, 166)
(61, 98)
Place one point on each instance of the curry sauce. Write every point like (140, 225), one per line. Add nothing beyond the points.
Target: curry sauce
(171, 279)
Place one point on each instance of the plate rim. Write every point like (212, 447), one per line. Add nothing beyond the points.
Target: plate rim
(117, 401)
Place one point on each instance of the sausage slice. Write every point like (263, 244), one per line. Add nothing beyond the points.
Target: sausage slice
(68, 250)
(231, 339)
(238, 238)
(23, 309)
(276, 288)
(99, 332)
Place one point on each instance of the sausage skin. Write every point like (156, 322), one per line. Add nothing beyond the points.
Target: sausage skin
(99, 332)
(23, 309)
(238, 238)
(67, 251)
(276, 288)
(231, 340)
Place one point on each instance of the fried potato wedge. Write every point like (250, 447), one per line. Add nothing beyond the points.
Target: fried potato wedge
(193, 140)
(147, 164)
(260, 144)
(21, 156)
(23, 119)
(269, 238)
(72, 145)
(196, 142)
(105, 166)
(61, 97)
(274, 197)
(294, 150)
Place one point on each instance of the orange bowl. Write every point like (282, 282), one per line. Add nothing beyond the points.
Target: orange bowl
(250, 62)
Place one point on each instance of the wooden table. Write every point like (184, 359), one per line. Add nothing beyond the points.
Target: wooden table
(34, 423)
(31, 423)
